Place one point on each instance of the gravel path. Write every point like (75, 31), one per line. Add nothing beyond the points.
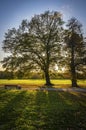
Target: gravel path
(52, 89)
(58, 89)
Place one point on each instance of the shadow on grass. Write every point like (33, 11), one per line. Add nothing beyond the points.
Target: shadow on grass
(8, 114)
(61, 110)
(42, 110)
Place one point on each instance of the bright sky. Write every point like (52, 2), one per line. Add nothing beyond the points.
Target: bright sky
(12, 12)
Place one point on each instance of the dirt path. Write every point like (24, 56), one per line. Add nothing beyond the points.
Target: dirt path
(58, 89)
(50, 89)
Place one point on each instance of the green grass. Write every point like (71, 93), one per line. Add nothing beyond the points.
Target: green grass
(42, 110)
(57, 83)
(25, 82)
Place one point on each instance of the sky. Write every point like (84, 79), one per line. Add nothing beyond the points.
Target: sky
(12, 12)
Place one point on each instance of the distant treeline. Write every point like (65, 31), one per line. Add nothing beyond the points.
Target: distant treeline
(34, 75)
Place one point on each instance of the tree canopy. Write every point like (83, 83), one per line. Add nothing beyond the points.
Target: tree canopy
(42, 42)
(36, 44)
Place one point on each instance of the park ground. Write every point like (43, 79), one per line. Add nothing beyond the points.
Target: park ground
(42, 110)
(31, 83)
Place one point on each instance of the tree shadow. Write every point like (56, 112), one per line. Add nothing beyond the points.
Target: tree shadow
(60, 110)
(12, 110)
(42, 110)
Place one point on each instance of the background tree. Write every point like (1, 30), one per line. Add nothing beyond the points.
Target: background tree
(36, 44)
(75, 48)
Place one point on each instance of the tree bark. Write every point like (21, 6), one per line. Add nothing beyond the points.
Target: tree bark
(47, 78)
(74, 78)
(73, 69)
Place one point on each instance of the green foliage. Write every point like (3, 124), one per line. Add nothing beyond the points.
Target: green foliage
(75, 45)
(28, 110)
(35, 44)
(6, 75)
(42, 43)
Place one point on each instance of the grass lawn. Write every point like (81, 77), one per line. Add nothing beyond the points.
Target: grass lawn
(42, 110)
(36, 83)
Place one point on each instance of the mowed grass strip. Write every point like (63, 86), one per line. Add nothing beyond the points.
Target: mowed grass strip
(42, 110)
(36, 83)
(21, 82)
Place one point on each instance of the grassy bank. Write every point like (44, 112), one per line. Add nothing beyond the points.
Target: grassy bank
(57, 83)
(38, 110)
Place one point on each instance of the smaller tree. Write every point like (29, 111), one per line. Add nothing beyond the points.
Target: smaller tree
(75, 48)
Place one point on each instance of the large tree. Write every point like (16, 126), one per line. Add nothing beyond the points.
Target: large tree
(75, 48)
(36, 44)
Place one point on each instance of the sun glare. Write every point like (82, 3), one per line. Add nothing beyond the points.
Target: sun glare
(61, 69)
(56, 67)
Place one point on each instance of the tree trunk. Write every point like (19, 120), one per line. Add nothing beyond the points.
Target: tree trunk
(73, 69)
(74, 78)
(74, 83)
(47, 78)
